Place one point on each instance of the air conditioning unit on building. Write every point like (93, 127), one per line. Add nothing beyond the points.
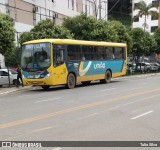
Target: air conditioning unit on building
(35, 8)
(55, 15)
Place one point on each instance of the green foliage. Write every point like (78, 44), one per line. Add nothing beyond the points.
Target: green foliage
(157, 39)
(143, 42)
(45, 29)
(121, 32)
(81, 26)
(14, 59)
(7, 35)
(88, 28)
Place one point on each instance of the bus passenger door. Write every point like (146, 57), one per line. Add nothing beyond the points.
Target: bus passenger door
(60, 71)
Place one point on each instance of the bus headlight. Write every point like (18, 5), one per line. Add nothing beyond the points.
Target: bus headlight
(48, 75)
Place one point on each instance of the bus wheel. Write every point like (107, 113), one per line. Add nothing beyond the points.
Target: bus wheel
(107, 77)
(45, 87)
(71, 81)
(86, 82)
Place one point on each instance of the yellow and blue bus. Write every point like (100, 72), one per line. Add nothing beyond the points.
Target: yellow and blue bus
(50, 62)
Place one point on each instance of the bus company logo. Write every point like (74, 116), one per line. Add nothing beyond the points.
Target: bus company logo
(6, 144)
(99, 65)
(83, 71)
(37, 76)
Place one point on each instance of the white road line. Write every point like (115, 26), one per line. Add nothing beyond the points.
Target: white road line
(134, 88)
(47, 100)
(35, 109)
(114, 108)
(142, 114)
(143, 99)
(57, 148)
(87, 116)
(107, 89)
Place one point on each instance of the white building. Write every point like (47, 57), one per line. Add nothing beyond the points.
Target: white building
(152, 23)
(27, 13)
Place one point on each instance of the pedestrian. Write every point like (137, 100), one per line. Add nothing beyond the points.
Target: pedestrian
(19, 76)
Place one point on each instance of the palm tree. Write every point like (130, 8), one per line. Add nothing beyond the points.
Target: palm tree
(145, 10)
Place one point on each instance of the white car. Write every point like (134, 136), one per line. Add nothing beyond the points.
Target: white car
(4, 79)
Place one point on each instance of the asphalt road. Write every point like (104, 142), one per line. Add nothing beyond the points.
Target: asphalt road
(127, 109)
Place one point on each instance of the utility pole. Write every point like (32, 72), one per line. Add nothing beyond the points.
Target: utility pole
(99, 9)
(159, 15)
(86, 6)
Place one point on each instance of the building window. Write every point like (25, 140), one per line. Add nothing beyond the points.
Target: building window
(155, 3)
(135, 4)
(136, 19)
(154, 28)
(154, 17)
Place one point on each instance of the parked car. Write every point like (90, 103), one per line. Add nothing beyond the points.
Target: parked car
(131, 67)
(4, 77)
(144, 67)
(156, 65)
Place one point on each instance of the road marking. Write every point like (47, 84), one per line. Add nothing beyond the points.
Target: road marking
(107, 89)
(142, 114)
(57, 148)
(114, 108)
(30, 132)
(143, 99)
(24, 95)
(91, 115)
(73, 109)
(134, 88)
(3, 115)
(35, 109)
(47, 100)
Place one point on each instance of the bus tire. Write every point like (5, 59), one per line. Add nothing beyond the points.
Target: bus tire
(45, 87)
(86, 82)
(71, 81)
(108, 77)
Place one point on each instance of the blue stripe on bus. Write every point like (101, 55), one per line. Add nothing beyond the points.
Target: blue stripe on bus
(94, 67)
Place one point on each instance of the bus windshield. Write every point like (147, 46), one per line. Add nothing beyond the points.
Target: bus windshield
(36, 56)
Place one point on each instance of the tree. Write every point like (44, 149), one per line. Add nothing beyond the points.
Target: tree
(45, 29)
(81, 26)
(121, 32)
(88, 28)
(143, 42)
(157, 39)
(7, 35)
(145, 10)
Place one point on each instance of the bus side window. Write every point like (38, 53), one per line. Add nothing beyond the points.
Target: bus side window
(109, 53)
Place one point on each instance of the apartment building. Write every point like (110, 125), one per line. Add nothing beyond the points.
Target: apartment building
(152, 23)
(27, 13)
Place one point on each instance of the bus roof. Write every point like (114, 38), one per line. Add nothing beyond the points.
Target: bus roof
(71, 41)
